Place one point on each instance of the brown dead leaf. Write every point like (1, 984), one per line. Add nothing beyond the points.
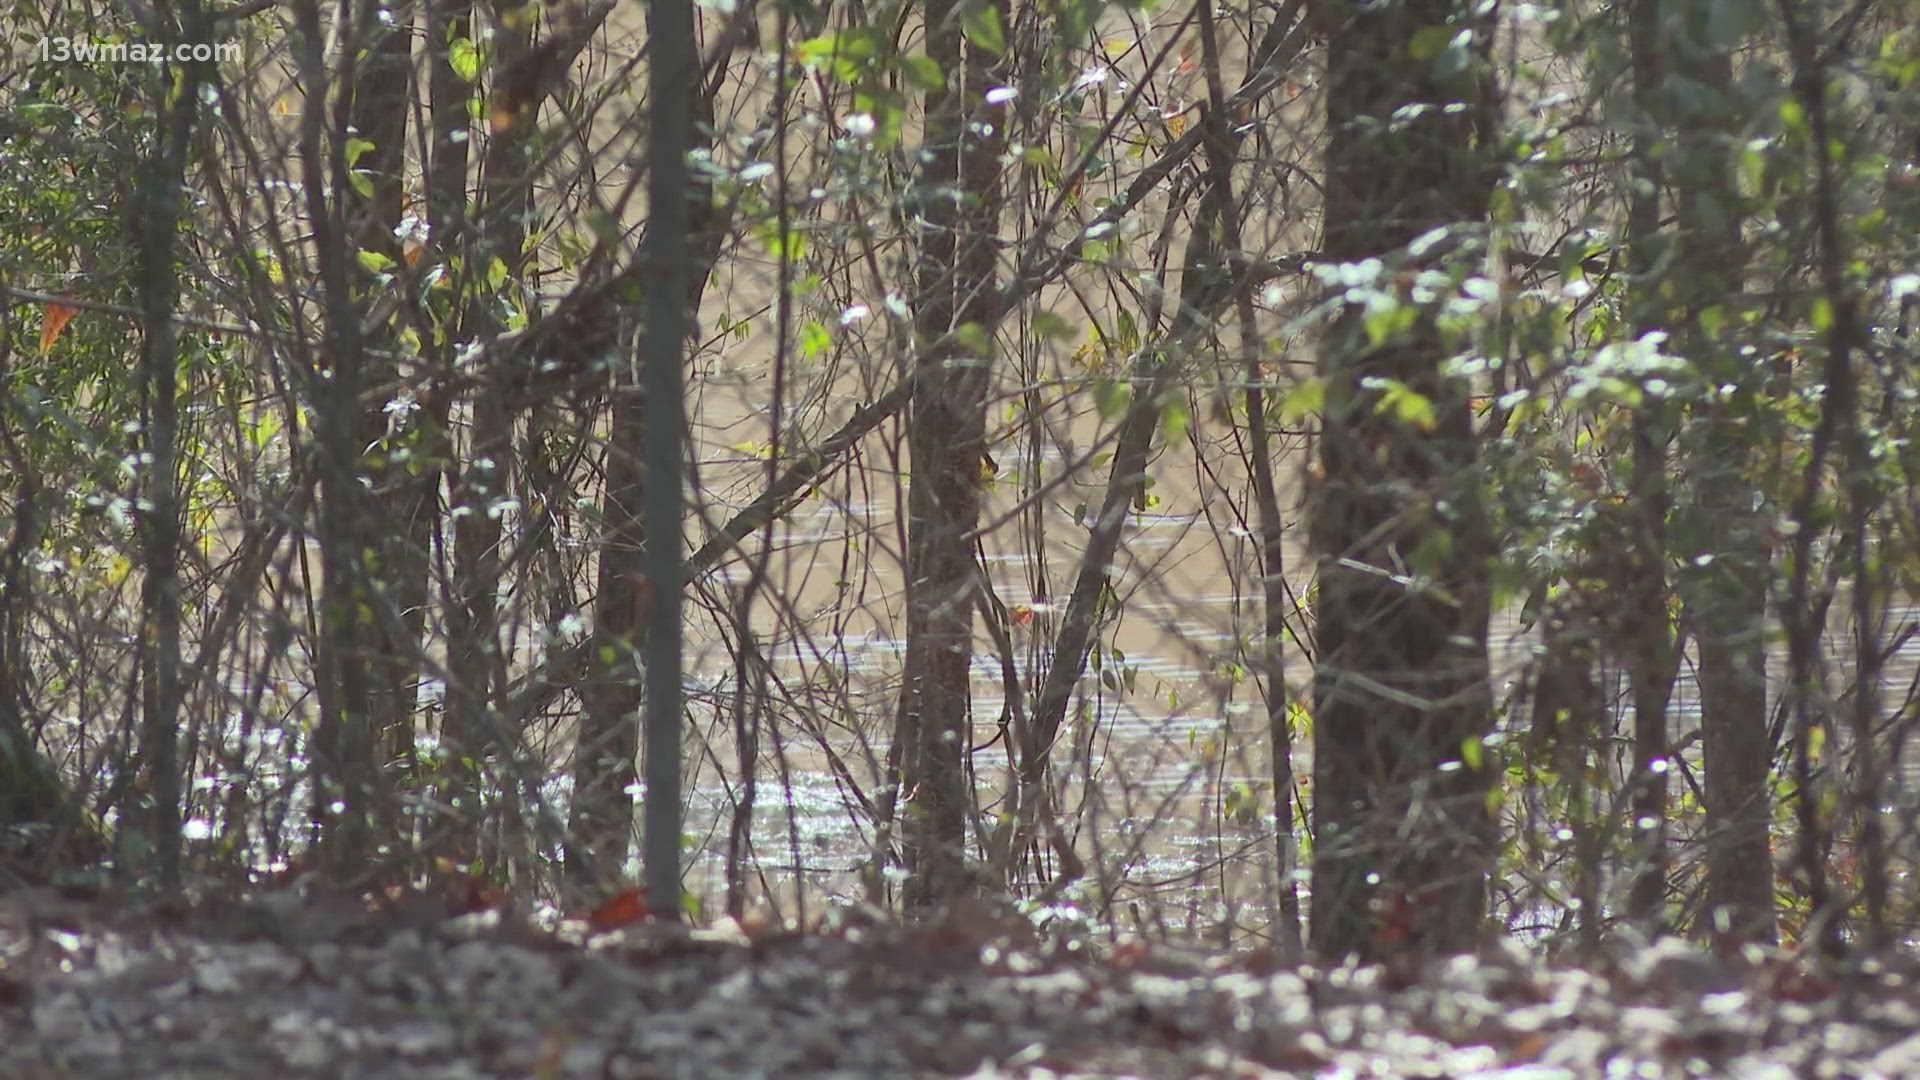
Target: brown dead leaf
(626, 908)
(57, 317)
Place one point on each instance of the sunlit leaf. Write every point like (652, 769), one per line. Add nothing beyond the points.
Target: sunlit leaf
(464, 58)
(982, 23)
(924, 72)
(54, 324)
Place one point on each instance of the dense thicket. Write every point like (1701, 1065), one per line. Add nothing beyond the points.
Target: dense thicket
(1445, 460)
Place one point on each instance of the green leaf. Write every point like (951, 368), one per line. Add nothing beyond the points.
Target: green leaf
(974, 338)
(1473, 753)
(1177, 418)
(849, 56)
(814, 340)
(1304, 399)
(1712, 321)
(374, 262)
(464, 58)
(1076, 19)
(1793, 116)
(1387, 317)
(1051, 326)
(792, 246)
(1408, 405)
(984, 30)
(265, 430)
(1429, 559)
(886, 108)
(356, 148)
(1429, 42)
(924, 72)
(861, 45)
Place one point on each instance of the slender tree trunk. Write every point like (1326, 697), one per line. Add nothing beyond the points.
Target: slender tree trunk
(404, 484)
(1651, 646)
(672, 311)
(600, 831)
(600, 826)
(1569, 729)
(1266, 501)
(376, 514)
(1402, 831)
(468, 681)
(1687, 147)
(476, 666)
(160, 365)
(959, 204)
(31, 788)
(350, 808)
(1838, 431)
(1730, 595)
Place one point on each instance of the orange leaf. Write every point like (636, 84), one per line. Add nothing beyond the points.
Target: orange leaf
(626, 908)
(1021, 615)
(475, 895)
(58, 316)
(1128, 954)
(1395, 920)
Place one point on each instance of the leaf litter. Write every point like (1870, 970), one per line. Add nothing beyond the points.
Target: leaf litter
(298, 987)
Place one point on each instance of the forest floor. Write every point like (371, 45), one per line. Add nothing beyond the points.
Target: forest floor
(301, 988)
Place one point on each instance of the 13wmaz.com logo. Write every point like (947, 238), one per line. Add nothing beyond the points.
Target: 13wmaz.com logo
(69, 51)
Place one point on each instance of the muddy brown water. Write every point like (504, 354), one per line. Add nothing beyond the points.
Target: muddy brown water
(1156, 759)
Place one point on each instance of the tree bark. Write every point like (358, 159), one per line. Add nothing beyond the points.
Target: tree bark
(160, 366)
(1650, 643)
(476, 666)
(959, 212)
(1402, 831)
(352, 811)
(404, 481)
(600, 829)
(1729, 595)
(1726, 595)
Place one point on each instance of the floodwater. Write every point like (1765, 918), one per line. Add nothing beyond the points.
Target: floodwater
(1163, 756)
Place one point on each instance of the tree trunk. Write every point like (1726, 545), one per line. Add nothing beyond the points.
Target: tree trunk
(1650, 644)
(959, 219)
(404, 483)
(600, 830)
(159, 367)
(1401, 825)
(377, 504)
(476, 667)
(32, 791)
(1726, 596)
(352, 812)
